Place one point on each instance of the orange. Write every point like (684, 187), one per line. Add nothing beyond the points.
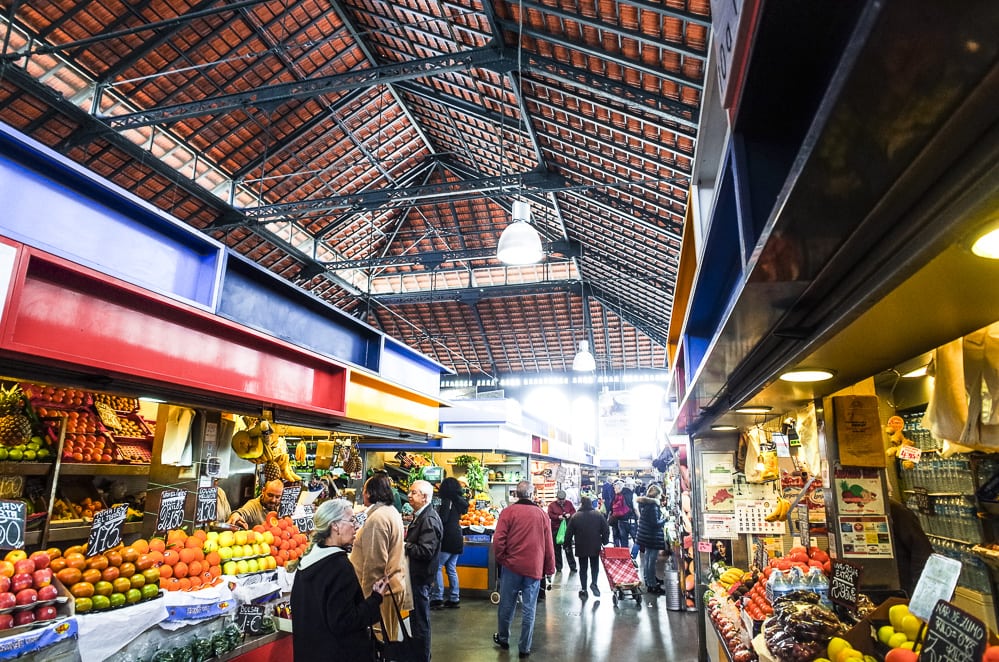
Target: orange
(156, 545)
(91, 575)
(144, 561)
(199, 554)
(194, 542)
(110, 573)
(69, 576)
(82, 590)
(195, 582)
(126, 569)
(129, 554)
(186, 555)
(166, 571)
(184, 584)
(156, 556)
(114, 557)
(213, 558)
(141, 546)
(53, 552)
(171, 557)
(180, 569)
(121, 585)
(57, 564)
(172, 584)
(76, 560)
(99, 562)
(75, 549)
(215, 570)
(194, 568)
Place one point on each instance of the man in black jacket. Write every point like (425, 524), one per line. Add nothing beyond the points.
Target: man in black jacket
(423, 544)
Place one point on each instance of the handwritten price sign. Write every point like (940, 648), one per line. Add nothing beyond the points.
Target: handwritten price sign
(105, 532)
(207, 506)
(250, 618)
(305, 523)
(12, 516)
(171, 515)
(844, 583)
(289, 498)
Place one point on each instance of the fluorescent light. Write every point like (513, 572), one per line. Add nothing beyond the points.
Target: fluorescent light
(987, 243)
(724, 428)
(804, 375)
(754, 409)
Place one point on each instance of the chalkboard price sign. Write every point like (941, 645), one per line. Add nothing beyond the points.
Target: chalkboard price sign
(305, 523)
(761, 558)
(171, 515)
(953, 635)
(922, 502)
(844, 584)
(105, 532)
(207, 506)
(250, 619)
(12, 517)
(289, 498)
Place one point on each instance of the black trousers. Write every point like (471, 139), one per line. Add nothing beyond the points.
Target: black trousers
(594, 569)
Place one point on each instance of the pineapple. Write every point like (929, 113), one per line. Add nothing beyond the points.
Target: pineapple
(15, 427)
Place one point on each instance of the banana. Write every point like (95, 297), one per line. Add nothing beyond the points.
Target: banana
(780, 510)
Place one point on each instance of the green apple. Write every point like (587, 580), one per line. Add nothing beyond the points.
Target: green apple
(242, 567)
(229, 567)
(885, 633)
(897, 640)
(225, 553)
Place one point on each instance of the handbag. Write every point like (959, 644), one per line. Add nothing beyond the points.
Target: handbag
(560, 536)
(410, 649)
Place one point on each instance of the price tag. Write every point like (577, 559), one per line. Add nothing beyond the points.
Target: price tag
(12, 517)
(206, 509)
(482, 504)
(761, 559)
(910, 453)
(171, 515)
(213, 467)
(844, 584)
(804, 536)
(289, 499)
(305, 523)
(105, 532)
(250, 618)
(953, 635)
(921, 500)
(11, 487)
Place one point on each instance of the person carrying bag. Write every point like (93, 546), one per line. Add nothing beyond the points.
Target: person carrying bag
(409, 649)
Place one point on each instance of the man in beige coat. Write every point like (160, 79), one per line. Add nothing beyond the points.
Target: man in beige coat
(379, 551)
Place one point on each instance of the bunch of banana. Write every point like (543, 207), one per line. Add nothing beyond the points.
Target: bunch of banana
(780, 510)
(730, 576)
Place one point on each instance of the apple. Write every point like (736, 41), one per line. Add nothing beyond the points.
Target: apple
(6, 621)
(6, 569)
(7, 600)
(21, 581)
(24, 566)
(901, 655)
(45, 613)
(28, 596)
(24, 617)
(48, 592)
(4, 584)
(42, 577)
(41, 559)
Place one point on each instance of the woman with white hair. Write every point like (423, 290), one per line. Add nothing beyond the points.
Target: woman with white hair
(331, 612)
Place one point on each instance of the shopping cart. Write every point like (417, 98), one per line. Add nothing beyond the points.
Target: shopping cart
(622, 573)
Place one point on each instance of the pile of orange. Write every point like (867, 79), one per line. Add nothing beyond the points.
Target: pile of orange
(183, 563)
(289, 543)
(119, 577)
(475, 516)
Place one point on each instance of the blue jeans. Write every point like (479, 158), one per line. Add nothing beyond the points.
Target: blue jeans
(649, 557)
(510, 584)
(449, 562)
(419, 618)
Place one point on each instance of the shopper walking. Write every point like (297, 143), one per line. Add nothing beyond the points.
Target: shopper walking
(423, 544)
(523, 548)
(559, 511)
(379, 550)
(650, 537)
(453, 506)
(588, 531)
(329, 606)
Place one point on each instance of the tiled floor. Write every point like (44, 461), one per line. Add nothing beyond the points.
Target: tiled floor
(569, 629)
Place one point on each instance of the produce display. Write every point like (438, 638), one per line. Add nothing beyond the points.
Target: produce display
(799, 627)
(478, 517)
(15, 426)
(27, 592)
(119, 577)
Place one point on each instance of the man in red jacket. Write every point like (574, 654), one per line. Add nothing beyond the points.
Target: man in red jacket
(560, 510)
(523, 547)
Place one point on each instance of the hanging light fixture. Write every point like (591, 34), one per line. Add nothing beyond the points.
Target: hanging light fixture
(520, 243)
(584, 361)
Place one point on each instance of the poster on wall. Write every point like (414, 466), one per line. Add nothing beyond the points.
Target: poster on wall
(859, 433)
(719, 493)
(858, 491)
(719, 525)
(865, 536)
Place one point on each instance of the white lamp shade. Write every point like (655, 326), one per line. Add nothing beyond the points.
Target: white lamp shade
(584, 361)
(519, 244)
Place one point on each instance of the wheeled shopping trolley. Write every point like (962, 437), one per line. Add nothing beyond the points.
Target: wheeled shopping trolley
(622, 573)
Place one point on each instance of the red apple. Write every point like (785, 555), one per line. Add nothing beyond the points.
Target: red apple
(21, 581)
(26, 566)
(41, 559)
(28, 596)
(45, 613)
(24, 617)
(4, 584)
(42, 577)
(6, 621)
(48, 592)
(7, 600)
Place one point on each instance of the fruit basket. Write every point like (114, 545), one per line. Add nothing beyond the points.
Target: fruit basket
(133, 451)
(56, 397)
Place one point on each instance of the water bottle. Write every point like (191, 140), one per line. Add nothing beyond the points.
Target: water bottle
(797, 580)
(777, 586)
(818, 583)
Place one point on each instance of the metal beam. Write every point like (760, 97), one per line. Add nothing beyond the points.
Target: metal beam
(382, 197)
(472, 295)
(269, 94)
(564, 249)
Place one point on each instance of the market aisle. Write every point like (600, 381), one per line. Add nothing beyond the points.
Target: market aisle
(567, 629)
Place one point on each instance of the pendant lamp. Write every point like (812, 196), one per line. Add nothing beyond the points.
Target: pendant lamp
(520, 243)
(584, 361)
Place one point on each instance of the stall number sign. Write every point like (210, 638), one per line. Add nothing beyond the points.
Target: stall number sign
(105, 532)
(844, 583)
(953, 635)
(171, 515)
(207, 507)
(305, 523)
(289, 498)
(12, 516)
(250, 618)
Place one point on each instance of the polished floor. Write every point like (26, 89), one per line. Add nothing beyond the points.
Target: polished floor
(567, 628)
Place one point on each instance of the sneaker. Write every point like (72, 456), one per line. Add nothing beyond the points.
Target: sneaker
(596, 591)
(524, 654)
(572, 568)
(505, 645)
(583, 595)
(451, 604)
(436, 604)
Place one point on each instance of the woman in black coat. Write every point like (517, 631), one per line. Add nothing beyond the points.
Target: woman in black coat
(650, 537)
(588, 532)
(332, 616)
(453, 506)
